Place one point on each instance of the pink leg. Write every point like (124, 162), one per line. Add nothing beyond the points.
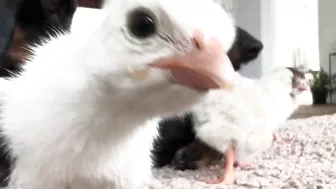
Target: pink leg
(228, 175)
(279, 140)
(276, 138)
(243, 164)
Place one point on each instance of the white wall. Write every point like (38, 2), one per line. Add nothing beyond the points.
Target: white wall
(296, 33)
(327, 31)
(284, 24)
(283, 29)
(247, 15)
(267, 34)
(256, 17)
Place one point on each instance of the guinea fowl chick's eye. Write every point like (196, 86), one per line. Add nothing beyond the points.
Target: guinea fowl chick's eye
(141, 24)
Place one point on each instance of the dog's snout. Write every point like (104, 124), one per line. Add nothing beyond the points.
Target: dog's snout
(254, 49)
(245, 48)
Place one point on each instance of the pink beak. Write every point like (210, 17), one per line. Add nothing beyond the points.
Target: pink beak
(207, 67)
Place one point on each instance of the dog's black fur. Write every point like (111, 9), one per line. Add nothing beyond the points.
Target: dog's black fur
(24, 22)
(34, 19)
(176, 133)
(8, 12)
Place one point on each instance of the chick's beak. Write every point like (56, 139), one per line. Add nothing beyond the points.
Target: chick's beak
(206, 67)
(303, 85)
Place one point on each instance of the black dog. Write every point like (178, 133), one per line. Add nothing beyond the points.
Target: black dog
(24, 22)
(176, 134)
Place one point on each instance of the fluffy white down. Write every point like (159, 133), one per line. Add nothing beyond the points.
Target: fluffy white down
(247, 116)
(74, 119)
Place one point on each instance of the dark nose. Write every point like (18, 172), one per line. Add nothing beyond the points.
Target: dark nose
(244, 49)
(253, 50)
(248, 45)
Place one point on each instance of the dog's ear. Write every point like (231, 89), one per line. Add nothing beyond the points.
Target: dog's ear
(244, 49)
(8, 11)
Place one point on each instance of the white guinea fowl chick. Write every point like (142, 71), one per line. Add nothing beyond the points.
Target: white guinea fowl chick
(285, 106)
(240, 123)
(82, 113)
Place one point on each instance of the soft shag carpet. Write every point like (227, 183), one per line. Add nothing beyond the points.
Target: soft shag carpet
(308, 161)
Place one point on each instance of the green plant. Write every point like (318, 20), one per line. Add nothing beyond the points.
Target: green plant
(322, 82)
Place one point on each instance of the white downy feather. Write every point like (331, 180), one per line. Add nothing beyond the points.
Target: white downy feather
(247, 116)
(74, 119)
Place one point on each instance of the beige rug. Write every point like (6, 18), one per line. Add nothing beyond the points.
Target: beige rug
(306, 162)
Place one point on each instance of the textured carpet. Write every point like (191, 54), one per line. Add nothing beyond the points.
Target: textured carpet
(308, 161)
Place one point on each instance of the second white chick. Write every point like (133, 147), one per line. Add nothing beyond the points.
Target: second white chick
(240, 123)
